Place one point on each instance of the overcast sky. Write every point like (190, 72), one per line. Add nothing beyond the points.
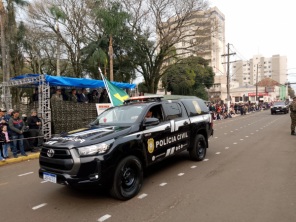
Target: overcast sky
(265, 27)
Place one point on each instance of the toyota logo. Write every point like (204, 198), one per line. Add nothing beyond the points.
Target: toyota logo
(50, 153)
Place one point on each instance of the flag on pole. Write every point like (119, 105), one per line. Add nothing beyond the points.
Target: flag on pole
(116, 94)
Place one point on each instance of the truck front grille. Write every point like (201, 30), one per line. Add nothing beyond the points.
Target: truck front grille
(56, 159)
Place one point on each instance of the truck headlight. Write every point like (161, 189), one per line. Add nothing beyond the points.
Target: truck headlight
(95, 149)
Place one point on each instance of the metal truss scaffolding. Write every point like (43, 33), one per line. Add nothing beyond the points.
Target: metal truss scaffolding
(44, 111)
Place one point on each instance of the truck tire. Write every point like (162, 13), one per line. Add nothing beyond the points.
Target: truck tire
(128, 178)
(198, 150)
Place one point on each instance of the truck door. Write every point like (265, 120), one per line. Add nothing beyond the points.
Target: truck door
(176, 115)
(175, 137)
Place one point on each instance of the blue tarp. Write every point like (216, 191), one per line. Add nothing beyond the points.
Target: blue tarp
(75, 82)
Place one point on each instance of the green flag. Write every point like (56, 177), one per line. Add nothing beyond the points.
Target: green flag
(116, 95)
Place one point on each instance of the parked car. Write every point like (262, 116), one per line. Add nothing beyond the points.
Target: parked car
(279, 107)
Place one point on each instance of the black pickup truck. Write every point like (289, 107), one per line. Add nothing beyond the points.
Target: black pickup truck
(115, 148)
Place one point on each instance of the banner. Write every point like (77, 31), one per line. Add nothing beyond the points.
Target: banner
(101, 107)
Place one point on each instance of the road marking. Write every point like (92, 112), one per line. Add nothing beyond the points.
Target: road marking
(39, 206)
(218, 153)
(193, 167)
(216, 137)
(247, 136)
(162, 184)
(241, 139)
(226, 148)
(231, 131)
(235, 143)
(103, 218)
(205, 160)
(44, 181)
(25, 174)
(142, 196)
(181, 174)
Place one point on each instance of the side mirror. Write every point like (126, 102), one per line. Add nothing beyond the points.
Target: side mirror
(151, 121)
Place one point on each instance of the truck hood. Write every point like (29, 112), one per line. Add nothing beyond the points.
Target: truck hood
(87, 136)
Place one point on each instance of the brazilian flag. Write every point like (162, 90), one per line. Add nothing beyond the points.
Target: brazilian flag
(116, 95)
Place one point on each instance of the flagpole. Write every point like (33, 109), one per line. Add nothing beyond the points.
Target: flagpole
(106, 86)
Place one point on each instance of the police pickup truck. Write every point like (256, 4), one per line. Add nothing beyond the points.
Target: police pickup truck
(115, 148)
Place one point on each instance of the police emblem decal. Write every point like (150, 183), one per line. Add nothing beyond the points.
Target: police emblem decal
(150, 144)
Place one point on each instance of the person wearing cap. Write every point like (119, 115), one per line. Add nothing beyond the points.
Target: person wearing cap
(8, 115)
(57, 96)
(293, 115)
(2, 117)
(17, 126)
(34, 124)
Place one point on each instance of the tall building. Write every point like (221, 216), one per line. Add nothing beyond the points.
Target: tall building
(208, 42)
(258, 68)
(203, 35)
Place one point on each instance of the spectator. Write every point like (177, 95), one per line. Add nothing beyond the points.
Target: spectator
(93, 96)
(57, 96)
(64, 94)
(35, 95)
(104, 97)
(34, 124)
(17, 126)
(2, 117)
(83, 96)
(8, 115)
(73, 97)
(6, 140)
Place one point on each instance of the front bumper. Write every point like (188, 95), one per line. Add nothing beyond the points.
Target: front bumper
(66, 179)
(68, 168)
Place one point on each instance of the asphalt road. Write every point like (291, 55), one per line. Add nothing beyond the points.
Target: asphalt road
(248, 175)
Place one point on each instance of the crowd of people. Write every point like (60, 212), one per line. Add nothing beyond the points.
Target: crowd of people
(220, 111)
(16, 131)
(76, 95)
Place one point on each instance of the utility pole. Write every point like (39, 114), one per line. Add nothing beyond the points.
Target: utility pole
(256, 97)
(228, 74)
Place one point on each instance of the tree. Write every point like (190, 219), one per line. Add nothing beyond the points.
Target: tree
(112, 20)
(158, 26)
(11, 56)
(191, 77)
(59, 15)
(75, 30)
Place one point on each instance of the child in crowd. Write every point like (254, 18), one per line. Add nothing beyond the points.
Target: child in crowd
(5, 139)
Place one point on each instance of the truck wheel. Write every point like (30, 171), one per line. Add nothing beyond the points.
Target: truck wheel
(198, 150)
(128, 178)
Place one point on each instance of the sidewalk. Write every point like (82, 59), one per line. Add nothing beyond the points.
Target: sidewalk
(20, 158)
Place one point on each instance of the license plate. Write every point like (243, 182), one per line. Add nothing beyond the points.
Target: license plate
(50, 177)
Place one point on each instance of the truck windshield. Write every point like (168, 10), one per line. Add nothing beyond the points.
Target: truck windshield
(119, 115)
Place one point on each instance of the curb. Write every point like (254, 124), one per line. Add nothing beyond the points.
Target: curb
(20, 159)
